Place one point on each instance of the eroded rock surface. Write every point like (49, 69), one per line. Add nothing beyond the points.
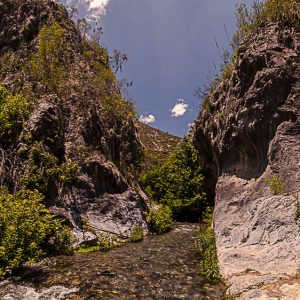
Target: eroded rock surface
(79, 122)
(248, 133)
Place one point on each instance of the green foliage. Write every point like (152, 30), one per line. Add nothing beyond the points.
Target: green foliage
(230, 297)
(160, 220)
(96, 52)
(248, 20)
(178, 183)
(105, 83)
(13, 111)
(286, 11)
(49, 63)
(112, 102)
(88, 249)
(206, 246)
(106, 242)
(276, 185)
(137, 235)
(28, 230)
(68, 173)
(61, 239)
(44, 170)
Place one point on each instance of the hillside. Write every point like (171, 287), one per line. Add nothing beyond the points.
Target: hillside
(158, 145)
(65, 129)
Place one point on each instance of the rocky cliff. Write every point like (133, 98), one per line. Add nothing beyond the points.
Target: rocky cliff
(249, 132)
(77, 142)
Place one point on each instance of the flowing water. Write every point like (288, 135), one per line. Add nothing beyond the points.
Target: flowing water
(160, 267)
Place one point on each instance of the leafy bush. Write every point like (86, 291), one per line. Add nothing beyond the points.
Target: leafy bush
(13, 111)
(206, 246)
(61, 239)
(137, 234)
(28, 230)
(160, 220)
(276, 185)
(178, 183)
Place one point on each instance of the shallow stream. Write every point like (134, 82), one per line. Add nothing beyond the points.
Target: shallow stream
(160, 267)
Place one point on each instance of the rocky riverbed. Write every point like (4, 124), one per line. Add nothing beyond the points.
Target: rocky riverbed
(160, 267)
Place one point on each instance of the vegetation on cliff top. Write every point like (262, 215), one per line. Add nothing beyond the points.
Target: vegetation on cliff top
(286, 12)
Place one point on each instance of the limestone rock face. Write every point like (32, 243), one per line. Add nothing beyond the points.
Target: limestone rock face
(82, 122)
(249, 132)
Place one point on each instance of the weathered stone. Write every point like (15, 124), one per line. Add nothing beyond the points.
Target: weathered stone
(246, 282)
(257, 295)
(249, 132)
(290, 291)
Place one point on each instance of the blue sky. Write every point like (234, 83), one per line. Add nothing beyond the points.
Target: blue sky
(171, 51)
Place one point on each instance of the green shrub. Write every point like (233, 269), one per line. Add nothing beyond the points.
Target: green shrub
(276, 185)
(178, 183)
(137, 234)
(160, 220)
(206, 246)
(68, 173)
(13, 111)
(44, 171)
(49, 65)
(61, 239)
(28, 230)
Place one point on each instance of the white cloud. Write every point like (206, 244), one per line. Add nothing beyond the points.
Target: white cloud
(89, 9)
(179, 109)
(99, 3)
(147, 119)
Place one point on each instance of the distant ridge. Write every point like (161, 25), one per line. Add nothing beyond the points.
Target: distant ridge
(158, 145)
